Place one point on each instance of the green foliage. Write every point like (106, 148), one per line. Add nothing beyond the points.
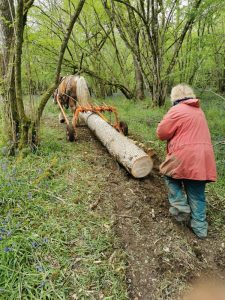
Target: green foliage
(97, 48)
(52, 245)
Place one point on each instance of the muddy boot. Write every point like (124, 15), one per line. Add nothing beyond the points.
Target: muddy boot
(200, 233)
(180, 217)
(183, 217)
(174, 211)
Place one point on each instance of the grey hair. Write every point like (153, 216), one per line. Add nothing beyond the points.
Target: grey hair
(181, 91)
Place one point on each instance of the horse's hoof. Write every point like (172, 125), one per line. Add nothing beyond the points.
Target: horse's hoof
(124, 127)
(62, 121)
(70, 133)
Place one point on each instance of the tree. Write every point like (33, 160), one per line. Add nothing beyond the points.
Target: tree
(27, 128)
(156, 18)
(129, 30)
(7, 84)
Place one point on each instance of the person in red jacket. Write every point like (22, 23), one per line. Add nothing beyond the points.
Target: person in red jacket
(190, 161)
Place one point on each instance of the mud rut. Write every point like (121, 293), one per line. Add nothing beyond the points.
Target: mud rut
(162, 256)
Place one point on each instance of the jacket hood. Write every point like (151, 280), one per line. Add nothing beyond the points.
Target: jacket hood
(192, 102)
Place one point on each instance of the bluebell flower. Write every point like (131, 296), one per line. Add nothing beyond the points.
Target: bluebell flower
(1, 238)
(8, 249)
(39, 268)
(41, 285)
(45, 240)
(29, 195)
(35, 244)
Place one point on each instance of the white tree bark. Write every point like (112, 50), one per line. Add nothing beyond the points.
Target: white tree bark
(134, 159)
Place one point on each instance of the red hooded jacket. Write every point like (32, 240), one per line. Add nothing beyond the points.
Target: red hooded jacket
(189, 148)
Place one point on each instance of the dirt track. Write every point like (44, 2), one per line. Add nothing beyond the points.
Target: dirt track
(162, 257)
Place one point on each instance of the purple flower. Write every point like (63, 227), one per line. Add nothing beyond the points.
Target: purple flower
(3, 230)
(41, 285)
(35, 244)
(39, 268)
(8, 249)
(45, 240)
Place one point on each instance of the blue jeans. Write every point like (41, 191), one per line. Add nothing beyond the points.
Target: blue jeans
(188, 196)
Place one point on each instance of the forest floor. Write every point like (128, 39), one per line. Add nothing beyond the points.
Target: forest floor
(76, 225)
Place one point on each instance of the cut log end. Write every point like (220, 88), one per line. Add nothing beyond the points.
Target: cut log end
(142, 167)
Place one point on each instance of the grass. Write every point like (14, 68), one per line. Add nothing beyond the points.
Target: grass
(52, 245)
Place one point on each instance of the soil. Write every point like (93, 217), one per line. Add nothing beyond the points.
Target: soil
(163, 257)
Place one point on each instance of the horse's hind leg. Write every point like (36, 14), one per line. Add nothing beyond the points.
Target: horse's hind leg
(73, 108)
(72, 105)
(61, 118)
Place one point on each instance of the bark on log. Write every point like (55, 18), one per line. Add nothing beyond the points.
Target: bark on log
(134, 159)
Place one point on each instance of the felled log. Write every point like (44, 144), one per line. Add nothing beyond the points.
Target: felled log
(134, 159)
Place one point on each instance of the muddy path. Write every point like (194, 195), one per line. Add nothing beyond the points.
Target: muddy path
(162, 257)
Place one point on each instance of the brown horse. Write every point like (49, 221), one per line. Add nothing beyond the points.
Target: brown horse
(71, 92)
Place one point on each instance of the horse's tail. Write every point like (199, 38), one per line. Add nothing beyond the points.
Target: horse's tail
(83, 94)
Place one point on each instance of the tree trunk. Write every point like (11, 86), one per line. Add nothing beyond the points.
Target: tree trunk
(140, 95)
(7, 15)
(134, 159)
(222, 80)
(52, 87)
(128, 94)
(159, 90)
(10, 114)
(24, 120)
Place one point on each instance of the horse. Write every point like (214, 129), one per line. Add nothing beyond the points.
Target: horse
(71, 92)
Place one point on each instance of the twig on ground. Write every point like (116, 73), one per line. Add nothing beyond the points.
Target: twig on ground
(126, 216)
(95, 204)
(52, 195)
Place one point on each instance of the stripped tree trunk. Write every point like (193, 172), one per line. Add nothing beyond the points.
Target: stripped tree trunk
(134, 159)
